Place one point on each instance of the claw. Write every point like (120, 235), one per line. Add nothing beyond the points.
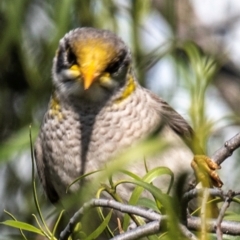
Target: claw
(204, 169)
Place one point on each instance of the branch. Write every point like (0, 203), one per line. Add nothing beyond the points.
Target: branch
(228, 227)
(139, 232)
(152, 216)
(198, 192)
(213, 192)
(150, 229)
(226, 151)
(221, 214)
(194, 223)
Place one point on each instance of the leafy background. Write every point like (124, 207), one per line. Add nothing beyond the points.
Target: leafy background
(182, 50)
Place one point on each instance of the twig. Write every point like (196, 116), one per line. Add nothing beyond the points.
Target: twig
(152, 216)
(189, 235)
(214, 192)
(193, 223)
(226, 151)
(119, 226)
(221, 214)
(149, 229)
(228, 227)
(139, 232)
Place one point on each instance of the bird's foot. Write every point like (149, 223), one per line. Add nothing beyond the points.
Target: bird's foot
(205, 171)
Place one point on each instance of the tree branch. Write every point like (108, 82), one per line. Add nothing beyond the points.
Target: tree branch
(221, 214)
(150, 229)
(226, 151)
(152, 216)
(153, 227)
(228, 227)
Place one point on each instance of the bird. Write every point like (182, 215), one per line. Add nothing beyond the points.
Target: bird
(97, 110)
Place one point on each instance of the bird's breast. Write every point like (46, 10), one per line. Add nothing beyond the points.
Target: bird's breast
(84, 139)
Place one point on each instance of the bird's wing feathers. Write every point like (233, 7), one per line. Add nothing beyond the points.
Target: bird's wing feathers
(47, 185)
(177, 123)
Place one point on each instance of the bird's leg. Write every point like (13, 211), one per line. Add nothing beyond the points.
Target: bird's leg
(205, 171)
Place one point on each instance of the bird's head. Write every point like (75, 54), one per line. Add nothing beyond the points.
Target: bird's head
(90, 63)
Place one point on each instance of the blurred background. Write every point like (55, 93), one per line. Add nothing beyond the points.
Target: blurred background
(185, 51)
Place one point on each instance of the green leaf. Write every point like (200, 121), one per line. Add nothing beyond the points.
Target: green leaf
(231, 216)
(101, 228)
(23, 226)
(148, 178)
(164, 199)
(57, 222)
(236, 200)
(35, 197)
(21, 232)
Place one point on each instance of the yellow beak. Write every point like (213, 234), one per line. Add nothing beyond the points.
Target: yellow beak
(89, 74)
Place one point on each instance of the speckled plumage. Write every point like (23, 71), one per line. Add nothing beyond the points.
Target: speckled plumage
(84, 128)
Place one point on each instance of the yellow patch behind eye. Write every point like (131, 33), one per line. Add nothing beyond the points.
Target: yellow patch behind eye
(74, 67)
(73, 71)
(55, 108)
(130, 87)
(106, 81)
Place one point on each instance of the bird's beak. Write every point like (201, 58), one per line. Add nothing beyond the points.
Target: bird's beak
(89, 74)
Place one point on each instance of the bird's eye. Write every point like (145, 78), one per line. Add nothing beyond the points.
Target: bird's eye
(116, 63)
(71, 58)
(113, 67)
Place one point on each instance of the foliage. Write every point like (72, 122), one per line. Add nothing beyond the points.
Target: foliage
(30, 31)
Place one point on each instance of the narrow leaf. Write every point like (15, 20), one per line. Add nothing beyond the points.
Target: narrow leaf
(23, 226)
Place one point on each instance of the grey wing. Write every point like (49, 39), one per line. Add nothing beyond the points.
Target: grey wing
(42, 172)
(177, 123)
